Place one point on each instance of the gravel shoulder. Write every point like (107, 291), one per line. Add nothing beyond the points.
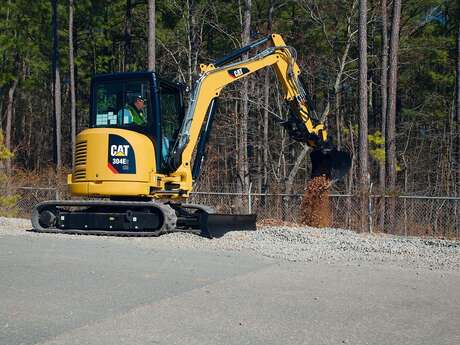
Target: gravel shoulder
(299, 244)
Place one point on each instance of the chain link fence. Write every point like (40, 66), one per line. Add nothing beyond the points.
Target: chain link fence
(412, 215)
(27, 198)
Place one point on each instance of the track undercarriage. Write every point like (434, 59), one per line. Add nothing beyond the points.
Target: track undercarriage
(134, 218)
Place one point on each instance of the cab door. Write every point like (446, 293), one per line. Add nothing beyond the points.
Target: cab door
(171, 117)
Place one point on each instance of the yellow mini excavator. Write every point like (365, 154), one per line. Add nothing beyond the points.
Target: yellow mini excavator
(135, 161)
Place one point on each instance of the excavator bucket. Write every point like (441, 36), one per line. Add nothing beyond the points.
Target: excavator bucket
(331, 163)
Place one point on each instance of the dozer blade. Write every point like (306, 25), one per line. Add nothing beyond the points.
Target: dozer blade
(214, 225)
(331, 163)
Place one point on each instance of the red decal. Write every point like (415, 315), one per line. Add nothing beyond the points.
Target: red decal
(112, 169)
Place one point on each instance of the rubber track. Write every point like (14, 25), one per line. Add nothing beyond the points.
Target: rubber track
(169, 224)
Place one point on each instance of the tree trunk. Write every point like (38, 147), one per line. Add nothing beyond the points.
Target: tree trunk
(56, 87)
(288, 199)
(265, 129)
(458, 109)
(295, 169)
(128, 31)
(9, 121)
(350, 180)
(384, 96)
(190, 39)
(267, 103)
(338, 79)
(73, 120)
(363, 101)
(151, 39)
(391, 115)
(458, 128)
(243, 166)
(194, 39)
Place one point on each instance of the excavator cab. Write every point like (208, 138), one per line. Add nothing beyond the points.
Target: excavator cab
(142, 103)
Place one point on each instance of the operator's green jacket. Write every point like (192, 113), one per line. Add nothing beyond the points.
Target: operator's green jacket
(137, 117)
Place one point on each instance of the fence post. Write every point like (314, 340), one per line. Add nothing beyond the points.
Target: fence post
(405, 216)
(250, 199)
(457, 216)
(347, 218)
(369, 210)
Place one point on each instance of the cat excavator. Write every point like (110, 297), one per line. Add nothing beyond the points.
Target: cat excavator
(138, 175)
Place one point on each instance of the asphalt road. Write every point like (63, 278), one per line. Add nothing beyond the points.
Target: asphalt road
(72, 291)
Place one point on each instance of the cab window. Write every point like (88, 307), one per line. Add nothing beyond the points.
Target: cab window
(171, 109)
(122, 103)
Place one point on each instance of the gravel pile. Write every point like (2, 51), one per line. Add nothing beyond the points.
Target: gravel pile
(302, 244)
(333, 246)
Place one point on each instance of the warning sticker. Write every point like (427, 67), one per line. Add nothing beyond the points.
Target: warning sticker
(121, 157)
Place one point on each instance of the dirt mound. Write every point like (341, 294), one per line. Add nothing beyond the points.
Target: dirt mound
(315, 209)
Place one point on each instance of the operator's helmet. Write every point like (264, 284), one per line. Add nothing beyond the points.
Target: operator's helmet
(140, 98)
(132, 97)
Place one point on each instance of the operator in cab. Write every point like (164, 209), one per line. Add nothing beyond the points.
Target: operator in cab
(134, 113)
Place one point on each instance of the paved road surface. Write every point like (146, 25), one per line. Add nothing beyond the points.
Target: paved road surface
(72, 291)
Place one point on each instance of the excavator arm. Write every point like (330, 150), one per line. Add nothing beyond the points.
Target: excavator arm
(301, 126)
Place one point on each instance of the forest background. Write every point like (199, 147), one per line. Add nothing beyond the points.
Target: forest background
(399, 118)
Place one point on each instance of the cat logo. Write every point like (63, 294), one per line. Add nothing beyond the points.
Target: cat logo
(121, 156)
(238, 72)
(119, 150)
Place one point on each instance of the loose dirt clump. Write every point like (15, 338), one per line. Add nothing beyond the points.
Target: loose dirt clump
(315, 209)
